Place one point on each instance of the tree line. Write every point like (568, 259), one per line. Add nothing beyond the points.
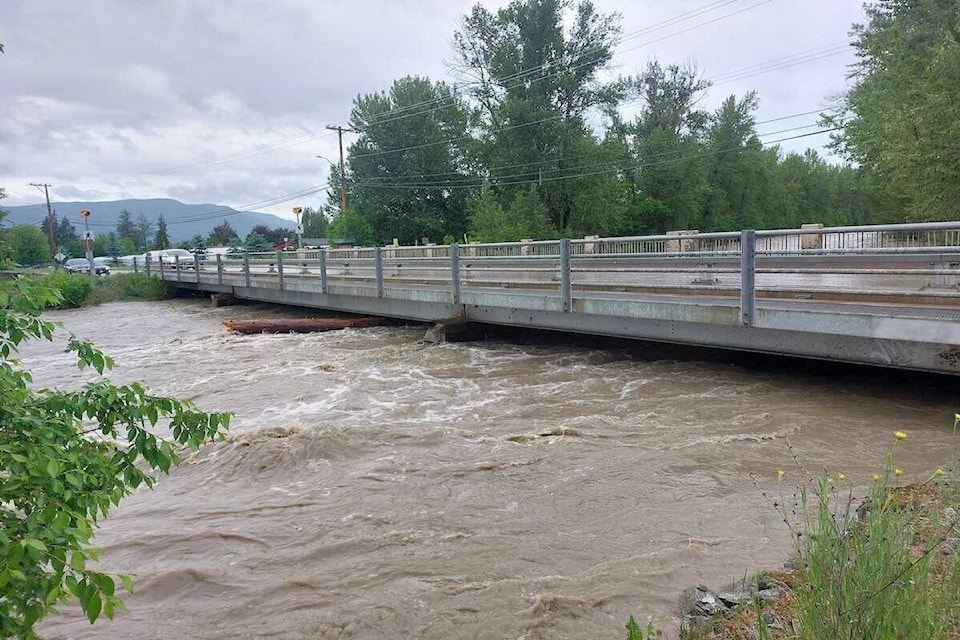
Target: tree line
(533, 140)
(29, 244)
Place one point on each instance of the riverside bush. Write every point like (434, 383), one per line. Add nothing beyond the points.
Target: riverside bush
(67, 458)
(79, 289)
(74, 288)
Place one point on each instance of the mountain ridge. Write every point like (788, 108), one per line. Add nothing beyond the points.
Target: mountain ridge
(183, 220)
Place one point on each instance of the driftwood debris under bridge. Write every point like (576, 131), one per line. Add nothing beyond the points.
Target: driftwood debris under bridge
(299, 325)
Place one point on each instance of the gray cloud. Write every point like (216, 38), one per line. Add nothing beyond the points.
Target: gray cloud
(149, 98)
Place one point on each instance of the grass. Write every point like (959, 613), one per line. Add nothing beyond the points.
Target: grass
(886, 567)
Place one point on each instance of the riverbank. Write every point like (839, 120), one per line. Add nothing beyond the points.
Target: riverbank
(79, 290)
(886, 566)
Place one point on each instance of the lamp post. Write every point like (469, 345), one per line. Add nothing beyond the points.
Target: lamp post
(88, 239)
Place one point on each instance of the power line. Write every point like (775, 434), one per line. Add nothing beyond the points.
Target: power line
(480, 183)
(765, 69)
(454, 174)
(573, 67)
(703, 9)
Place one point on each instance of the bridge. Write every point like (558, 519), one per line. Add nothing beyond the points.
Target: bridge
(878, 295)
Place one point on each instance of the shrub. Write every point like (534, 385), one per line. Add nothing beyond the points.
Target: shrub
(75, 289)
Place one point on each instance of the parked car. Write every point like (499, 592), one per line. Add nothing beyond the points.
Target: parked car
(82, 265)
(171, 257)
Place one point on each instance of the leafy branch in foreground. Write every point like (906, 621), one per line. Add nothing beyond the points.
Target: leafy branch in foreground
(66, 458)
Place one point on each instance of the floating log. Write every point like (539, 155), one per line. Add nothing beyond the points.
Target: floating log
(299, 325)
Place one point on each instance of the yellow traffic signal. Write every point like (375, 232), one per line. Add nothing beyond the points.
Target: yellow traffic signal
(297, 210)
(85, 213)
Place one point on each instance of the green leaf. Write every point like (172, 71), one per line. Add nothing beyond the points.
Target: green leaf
(92, 609)
(35, 544)
(78, 562)
(127, 583)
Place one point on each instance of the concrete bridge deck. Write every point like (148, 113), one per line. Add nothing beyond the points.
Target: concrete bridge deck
(893, 306)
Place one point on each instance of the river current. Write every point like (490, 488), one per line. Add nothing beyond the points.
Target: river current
(374, 486)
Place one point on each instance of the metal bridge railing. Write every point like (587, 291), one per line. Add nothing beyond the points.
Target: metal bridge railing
(919, 260)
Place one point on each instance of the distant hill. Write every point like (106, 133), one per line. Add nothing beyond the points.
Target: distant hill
(183, 220)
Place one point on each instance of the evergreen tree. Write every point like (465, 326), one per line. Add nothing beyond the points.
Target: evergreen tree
(161, 240)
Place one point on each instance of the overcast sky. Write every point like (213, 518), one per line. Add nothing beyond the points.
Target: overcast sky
(225, 102)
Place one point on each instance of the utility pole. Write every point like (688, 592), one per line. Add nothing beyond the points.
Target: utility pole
(343, 174)
(88, 239)
(50, 229)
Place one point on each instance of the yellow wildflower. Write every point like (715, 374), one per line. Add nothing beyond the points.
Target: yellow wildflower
(780, 474)
(841, 477)
(898, 471)
(876, 477)
(900, 435)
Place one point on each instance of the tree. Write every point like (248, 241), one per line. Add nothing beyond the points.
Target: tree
(347, 226)
(161, 240)
(901, 118)
(141, 232)
(63, 231)
(68, 457)
(125, 226)
(403, 158)
(255, 242)
(314, 223)
(534, 71)
(113, 246)
(196, 242)
(223, 235)
(26, 245)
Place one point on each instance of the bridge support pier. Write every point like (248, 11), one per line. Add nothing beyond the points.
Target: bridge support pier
(454, 331)
(222, 299)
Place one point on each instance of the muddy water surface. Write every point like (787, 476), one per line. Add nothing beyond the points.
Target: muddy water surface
(377, 487)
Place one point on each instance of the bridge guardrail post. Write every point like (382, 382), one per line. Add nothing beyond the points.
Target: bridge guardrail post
(566, 288)
(323, 271)
(219, 269)
(455, 271)
(135, 264)
(162, 276)
(196, 266)
(146, 266)
(280, 269)
(748, 273)
(176, 265)
(378, 268)
(246, 268)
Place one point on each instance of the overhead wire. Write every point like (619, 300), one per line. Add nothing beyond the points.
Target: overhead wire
(477, 183)
(740, 75)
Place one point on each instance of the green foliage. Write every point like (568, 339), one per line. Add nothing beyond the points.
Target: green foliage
(379, 174)
(349, 225)
(129, 286)
(634, 632)
(26, 245)
(254, 242)
(901, 118)
(161, 240)
(875, 571)
(74, 288)
(315, 223)
(223, 235)
(64, 466)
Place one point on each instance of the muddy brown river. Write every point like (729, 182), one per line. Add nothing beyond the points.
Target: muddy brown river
(374, 486)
